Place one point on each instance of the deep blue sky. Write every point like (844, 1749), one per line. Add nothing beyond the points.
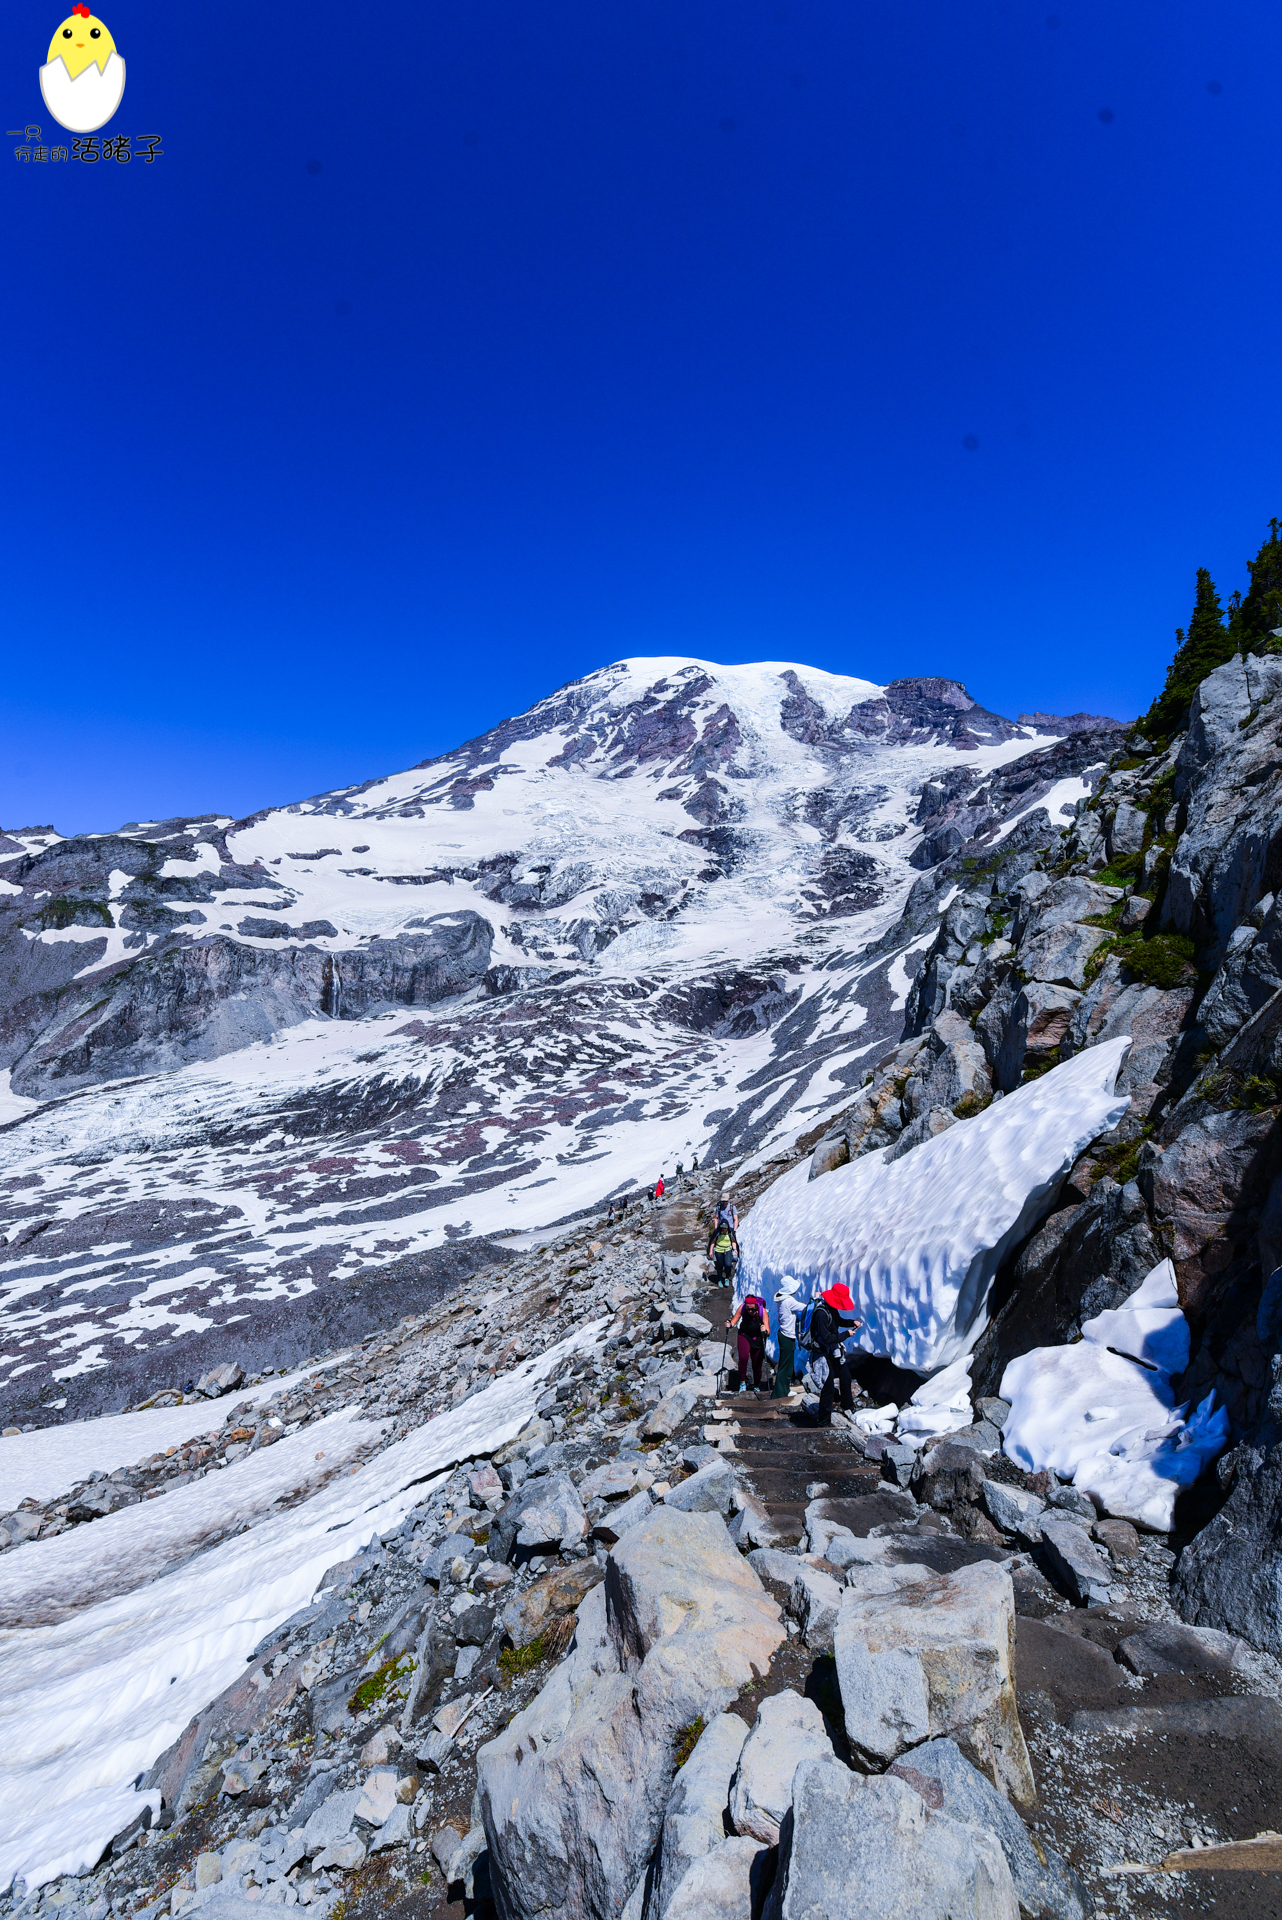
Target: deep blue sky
(608, 329)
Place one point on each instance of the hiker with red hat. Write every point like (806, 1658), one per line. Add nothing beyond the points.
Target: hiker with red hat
(831, 1323)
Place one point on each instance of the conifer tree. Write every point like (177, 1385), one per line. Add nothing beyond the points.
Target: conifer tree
(1207, 645)
(1256, 621)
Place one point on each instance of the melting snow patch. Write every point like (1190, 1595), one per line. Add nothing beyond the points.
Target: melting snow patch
(920, 1241)
(942, 1405)
(1109, 1423)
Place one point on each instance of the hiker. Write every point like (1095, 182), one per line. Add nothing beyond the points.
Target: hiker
(659, 1188)
(752, 1318)
(680, 1171)
(694, 1164)
(723, 1251)
(728, 1213)
(831, 1322)
(786, 1332)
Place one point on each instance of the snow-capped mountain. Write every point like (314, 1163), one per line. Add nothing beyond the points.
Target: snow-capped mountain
(265, 1075)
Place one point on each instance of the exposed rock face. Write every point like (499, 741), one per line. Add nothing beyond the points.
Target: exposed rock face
(1230, 1576)
(202, 1000)
(1230, 849)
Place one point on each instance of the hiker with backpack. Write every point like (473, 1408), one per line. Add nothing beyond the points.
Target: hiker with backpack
(752, 1318)
(723, 1250)
(828, 1323)
(786, 1303)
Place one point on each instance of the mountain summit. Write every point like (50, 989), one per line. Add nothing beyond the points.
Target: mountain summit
(667, 911)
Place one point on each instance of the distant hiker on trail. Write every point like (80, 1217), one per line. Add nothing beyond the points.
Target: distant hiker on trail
(831, 1324)
(694, 1164)
(723, 1251)
(680, 1171)
(752, 1318)
(726, 1212)
(786, 1303)
(659, 1188)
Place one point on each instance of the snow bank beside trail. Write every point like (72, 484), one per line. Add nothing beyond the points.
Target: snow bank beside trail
(919, 1242)
(1109, 1423)
(88, 1704)
(50, 1461)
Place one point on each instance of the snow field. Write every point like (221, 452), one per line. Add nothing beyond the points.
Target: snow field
(89, 1703)
(43, 1464)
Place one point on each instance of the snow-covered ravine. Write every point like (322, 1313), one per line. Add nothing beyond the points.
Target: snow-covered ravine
(88, 1704)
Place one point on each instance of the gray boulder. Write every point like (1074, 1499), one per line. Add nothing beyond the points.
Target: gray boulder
(726, 1883)
(664, 1419)
(693, 1820)
(921, 1654)
(711, 1490)
(1165, 1647)
(1075, 1561)
(332, 1821)
(545, 1515)
(1059, 955)
(788, 1730)
(224, 1379)
(950, 1067)
(1060, 903)
(814, 1602)
(616, 1520)
(868, 1847)
(1046, 1887)
(454, 1546)
(1015, 1510)
(573, 1790)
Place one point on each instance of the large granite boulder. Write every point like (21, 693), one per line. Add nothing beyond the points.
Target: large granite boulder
(1046, 1887)
(921, 1654)
(788, 1730)
(546, 1515)
(574, 1790)
(693, 1820)
(861, 1847)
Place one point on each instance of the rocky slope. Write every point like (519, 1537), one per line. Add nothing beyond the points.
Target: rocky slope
(644, 1577)
(292, 1073)
(1154, 916)
(538, 1620)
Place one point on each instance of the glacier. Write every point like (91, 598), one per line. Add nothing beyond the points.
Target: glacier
(919, 1241)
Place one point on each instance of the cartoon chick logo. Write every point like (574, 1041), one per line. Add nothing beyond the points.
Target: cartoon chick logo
(84, 77)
